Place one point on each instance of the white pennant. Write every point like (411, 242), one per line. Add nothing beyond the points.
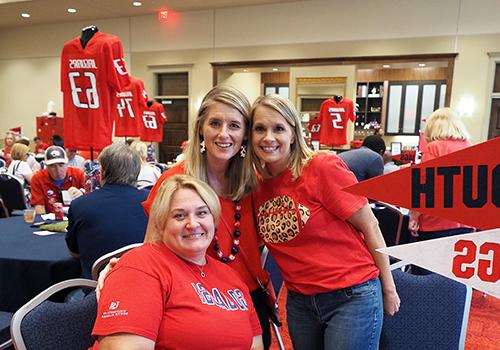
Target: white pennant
(472, 259)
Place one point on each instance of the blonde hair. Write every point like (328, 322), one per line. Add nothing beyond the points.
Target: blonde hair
(300, 153)
(444, 124)
(19, 151)
(240, 172)
(160, 208)
(141, 148)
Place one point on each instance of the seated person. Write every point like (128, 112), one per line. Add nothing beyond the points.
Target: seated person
(366, 162)
(389, 165)
(111, 217)
(8, 142)
(149, 173)
(74, 160)
(47, 184)
(40, 146)
(19, 167)
(31, 160)
(169, 289)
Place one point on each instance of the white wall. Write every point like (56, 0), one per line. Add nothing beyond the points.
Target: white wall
(29, 56)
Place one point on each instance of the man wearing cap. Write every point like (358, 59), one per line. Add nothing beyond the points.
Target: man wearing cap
(47, 185)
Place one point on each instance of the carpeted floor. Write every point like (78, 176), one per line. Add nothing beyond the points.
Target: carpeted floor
(483, 331)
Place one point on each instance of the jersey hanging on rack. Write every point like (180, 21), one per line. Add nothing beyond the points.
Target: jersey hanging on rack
(129, 105)
(90, 78)
(153, 118)
(334, 118)
(314, 127)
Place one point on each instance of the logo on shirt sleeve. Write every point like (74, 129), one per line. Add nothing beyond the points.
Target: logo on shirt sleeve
(113, 310)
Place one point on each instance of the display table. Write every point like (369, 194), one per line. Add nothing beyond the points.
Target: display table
(30, 263)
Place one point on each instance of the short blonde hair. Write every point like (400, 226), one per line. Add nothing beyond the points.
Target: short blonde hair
(300, 153)
(19, 151)
(444, 124)
(141, 148)
(161, 204)
(240, 172)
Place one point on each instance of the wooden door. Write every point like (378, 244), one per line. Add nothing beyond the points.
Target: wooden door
(175, 130)
(494, 119)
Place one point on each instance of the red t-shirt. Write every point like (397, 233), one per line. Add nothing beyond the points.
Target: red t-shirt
(334, 118)
(130, 103)
(40, 148)
(155, 294)
(433, 150)
(303, 223)
(249, 254)
(90, 77)
(153, 117)
(44, 191)
(314, 127)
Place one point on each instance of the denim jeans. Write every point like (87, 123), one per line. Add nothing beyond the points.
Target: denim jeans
(344, 319)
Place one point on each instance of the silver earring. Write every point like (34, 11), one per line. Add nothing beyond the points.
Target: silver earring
(202, 148)
(243, 151)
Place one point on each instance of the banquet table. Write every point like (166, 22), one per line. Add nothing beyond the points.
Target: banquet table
(30, 263)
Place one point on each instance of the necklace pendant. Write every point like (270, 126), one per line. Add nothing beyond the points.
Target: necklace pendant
(202, 274)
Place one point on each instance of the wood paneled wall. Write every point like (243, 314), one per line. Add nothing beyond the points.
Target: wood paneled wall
(427, 73)
(275, 78)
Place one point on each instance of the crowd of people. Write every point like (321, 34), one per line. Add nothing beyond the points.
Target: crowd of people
(246, 179)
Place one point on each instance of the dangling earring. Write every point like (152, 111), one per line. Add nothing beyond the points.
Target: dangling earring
(243, 151)
(202, 148)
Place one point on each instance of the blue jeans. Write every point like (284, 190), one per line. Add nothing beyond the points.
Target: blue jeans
(344, 319)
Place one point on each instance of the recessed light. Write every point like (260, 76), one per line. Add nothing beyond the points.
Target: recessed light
(275, 69)
(25, 15)
(70, 10)
(421, 64)
(137, 3)
(245, 70)
(386, 65)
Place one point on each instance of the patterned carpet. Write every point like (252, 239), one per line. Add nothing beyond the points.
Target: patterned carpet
(483, 331)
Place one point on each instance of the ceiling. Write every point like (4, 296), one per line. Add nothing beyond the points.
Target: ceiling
(55, 11)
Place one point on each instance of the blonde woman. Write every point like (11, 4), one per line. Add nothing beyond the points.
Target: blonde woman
(149, 173)
(445, 134)
(19, 167)
(169, 289)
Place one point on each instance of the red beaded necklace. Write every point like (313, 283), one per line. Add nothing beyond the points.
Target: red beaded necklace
(236, 237)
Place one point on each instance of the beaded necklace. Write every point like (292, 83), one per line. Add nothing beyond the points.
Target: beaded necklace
(236, 234)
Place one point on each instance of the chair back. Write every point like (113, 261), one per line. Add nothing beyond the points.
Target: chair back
(390, 221)
(104, 260)
(4, 213)
(5, 318)
(433, 315)
(12, 193)
(42, 324)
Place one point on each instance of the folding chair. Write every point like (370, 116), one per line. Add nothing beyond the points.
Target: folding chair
(104, 260)
(42, 324)
(390, 220)
(12, 193)
(433, 315)
(5, 341)
(270, 266)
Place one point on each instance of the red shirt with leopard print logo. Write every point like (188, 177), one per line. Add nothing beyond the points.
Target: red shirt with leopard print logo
(303, 223)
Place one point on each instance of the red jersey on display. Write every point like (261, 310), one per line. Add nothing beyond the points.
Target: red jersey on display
(90, 77)
(334, 117)
(155, 294)
(130, 103)
(153, 118)
(306, 231)
(314, 126)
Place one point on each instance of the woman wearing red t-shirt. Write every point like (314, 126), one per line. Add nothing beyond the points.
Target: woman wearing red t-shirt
(8, 142)
(445, 134)
(323, 239)
(161, 294)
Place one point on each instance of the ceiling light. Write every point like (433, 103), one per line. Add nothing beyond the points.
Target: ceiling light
(25, 15)
(245, 70)
(70, 10)
(275, 69)
(386, 65)
(137, 3)
(421, 64)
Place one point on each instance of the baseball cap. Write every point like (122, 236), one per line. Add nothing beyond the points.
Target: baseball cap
(54, 155)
